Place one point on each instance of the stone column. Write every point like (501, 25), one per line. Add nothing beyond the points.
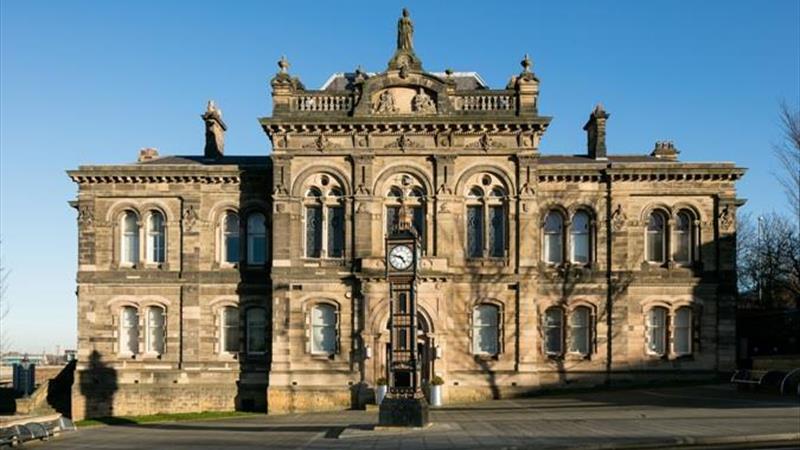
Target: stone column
(445, 237)
(362, 199)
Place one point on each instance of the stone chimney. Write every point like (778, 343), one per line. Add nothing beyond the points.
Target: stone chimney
(147, 154)
(665, 150)
(596, 133)
(215, 132)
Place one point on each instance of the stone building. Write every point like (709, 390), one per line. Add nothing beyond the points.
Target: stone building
(214, 282)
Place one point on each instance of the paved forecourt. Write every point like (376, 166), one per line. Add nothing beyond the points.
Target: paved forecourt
(706, 414)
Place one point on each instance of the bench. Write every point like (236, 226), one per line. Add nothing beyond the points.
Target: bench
(747, 378)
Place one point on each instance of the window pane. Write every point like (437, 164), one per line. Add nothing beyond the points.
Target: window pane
(553, 331)
(419, 223)
(683, 331)
(474, 231)
(392, 215)
(313, 231)
(497, 231)
(230, 329)
(256, 239)
(655, 237)
(657, 321)
(323, 321)
(256, 330)
(553, 238)
(682, 237)
(129, 332)
(485, 319)
(335, 232)
(580, 335)
(130, 238)
(580, 237)
(155, 326)
(155, 241)
(230, 238)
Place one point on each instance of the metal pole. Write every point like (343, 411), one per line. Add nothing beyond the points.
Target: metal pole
(760, 256)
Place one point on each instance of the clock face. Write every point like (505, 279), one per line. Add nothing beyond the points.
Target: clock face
(401, 257)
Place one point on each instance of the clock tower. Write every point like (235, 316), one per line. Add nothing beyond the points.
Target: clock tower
(405, 404)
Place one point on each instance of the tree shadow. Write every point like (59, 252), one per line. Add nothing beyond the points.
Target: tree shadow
(98, 385)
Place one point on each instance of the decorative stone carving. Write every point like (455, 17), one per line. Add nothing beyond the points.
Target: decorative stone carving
(423, 103)
(726, 218)
(405, 32)
(443, 207)
(486, 142)
(85, 217)
(403, 142)
(322, 143)
(280, 189)
(385, 104)
(618, 218)
(526, 189)
(362, 189)
(190, 218)
(444, 139)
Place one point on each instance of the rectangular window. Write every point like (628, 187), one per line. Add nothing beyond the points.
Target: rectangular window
(485, 321)
(232, 248)
(313, 231)
(580, 331)
(681, 252)
(335, 232)
(497, 231)
(657, 331)
(419, 224)
(553, 331)
(474, 231)
(230, 329)
(256, 330)
(155, 330)
(129, 331)
(655, 247)
(392, 216)
(683, 331)
(323, 329)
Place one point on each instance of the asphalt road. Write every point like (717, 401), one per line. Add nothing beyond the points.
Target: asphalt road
(709, 415)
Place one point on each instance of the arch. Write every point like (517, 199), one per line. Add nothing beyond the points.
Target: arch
(219, 208)
(301, 179)
(160, 206)
(223, 301)
(497, 171)
(686, 205)
(575, 208)
(649, 208)
(380, 317)
(419, 172)
(116, 210)
(553, 206)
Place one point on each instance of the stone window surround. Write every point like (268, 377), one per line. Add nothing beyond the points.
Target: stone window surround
(141, 305)
(500, 328)
(307, 308)
(332, 194)
(412, 194)
(694, 305)
(488, 184)
(117, 214)
(566, 234)
(670, 216)
(567, 312)
(217, 307)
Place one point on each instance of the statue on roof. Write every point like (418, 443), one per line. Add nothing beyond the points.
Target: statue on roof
(405, 32)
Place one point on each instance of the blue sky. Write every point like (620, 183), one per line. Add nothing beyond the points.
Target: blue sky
(88, 82)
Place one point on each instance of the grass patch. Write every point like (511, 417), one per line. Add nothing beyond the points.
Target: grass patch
(155, 418)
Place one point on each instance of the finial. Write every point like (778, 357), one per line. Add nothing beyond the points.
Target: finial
(283, 64)
(211, 108)
(526, 64)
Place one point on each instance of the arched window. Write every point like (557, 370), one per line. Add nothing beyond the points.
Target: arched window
(554, 331)
(256, 320)
(682, 333)
(485, 330)
(229, 329)
(130, 238)
(129, 330)
(580, 238)
(412, 195)
(156, 238)
(657, 331)
(554, 238)
(323, 329)
(656, 242)
(487, 219)
(256, 239)
(156, 321)
(682, 238)
(324, 219)
(580, 331)
(230, 238)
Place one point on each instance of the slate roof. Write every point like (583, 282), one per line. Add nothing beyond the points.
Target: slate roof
(200, 160)
(465, 81)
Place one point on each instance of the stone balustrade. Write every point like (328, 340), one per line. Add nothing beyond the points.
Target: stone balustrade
(323, 102)
(500, 101)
